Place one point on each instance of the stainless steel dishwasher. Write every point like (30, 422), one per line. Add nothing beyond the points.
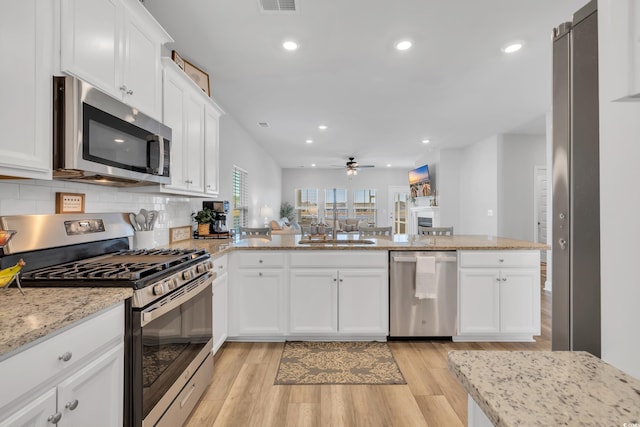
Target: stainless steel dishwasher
(413, 317)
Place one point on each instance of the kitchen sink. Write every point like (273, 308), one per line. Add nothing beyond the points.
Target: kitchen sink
(337, 241)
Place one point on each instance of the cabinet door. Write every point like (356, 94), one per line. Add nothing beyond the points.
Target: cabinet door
(363, 302)
(34, 413)
(258, 302)
(479, 300)
(142, 77)
(26, 34)
(211, 151)
(520, 301)
(173, 116)
(94, 394)
(194, 120)
(313, 301)
(220, 295)
(91, 42)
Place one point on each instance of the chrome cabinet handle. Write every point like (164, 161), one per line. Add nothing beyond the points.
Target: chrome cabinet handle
(65, 357)
(55, 418)
(72, 405)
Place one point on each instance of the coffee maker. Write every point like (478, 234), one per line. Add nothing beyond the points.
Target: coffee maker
(221, 209)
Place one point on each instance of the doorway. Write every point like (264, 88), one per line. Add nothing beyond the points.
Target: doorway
(540, 205)
(398, 208)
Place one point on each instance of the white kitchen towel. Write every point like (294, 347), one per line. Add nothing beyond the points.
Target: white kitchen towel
(426, 277)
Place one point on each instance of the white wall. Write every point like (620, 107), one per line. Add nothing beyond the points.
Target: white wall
(619, 208)
(518, 155)
(265, 175)
(479, 187)
(449, 188)
(379, 179)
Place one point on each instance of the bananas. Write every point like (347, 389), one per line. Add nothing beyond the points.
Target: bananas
(7, 274)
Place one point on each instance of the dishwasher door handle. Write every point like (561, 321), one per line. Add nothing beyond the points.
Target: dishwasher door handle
(413, 259)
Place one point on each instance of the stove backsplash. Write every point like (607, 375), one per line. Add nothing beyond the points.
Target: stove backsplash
(27, 197)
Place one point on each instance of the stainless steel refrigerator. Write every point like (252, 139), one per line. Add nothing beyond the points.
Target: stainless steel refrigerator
(576, 200)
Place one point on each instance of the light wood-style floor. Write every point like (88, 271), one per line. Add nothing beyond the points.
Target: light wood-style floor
(242, 392)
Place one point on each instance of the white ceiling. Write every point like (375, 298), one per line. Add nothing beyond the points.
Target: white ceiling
(454, 87)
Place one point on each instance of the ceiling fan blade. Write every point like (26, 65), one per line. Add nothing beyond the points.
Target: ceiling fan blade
(367, 166)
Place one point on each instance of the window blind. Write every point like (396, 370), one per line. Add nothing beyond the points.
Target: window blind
(240, 198)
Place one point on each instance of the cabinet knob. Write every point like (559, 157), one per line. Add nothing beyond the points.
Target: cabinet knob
(123, 88)
(504, 279)
(260, 274)
(65, 357)
(260, 261)
(501, 260)
(55, 418)
(72, 405)
(335, 280)
(497, 279)
(129, 92)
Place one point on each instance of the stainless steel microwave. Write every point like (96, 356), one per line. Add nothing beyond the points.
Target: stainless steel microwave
(99, 139)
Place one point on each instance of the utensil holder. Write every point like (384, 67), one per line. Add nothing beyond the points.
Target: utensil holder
(144, 240)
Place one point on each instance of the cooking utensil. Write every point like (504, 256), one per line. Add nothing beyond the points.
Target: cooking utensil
(134, 221)
(142, 222)
(153, 218)
(145, 214)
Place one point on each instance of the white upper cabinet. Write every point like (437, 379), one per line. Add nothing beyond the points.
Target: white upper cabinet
(26, 42)
(194, 121)
(625, 57)
(114, 45)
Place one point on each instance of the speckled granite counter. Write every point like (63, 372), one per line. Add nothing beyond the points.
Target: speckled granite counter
(399, 242)
(41, 311)
(547, 388)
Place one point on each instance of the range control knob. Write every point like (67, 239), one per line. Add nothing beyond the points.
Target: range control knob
(203, 268)
(187, 275)
(171, 283)
(158, 289)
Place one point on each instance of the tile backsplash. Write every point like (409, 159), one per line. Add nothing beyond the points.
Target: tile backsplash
(23, 197)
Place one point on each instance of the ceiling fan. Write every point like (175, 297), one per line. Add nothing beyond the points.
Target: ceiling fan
(352, 166)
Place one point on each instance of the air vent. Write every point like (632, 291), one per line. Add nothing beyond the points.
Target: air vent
(278, 5)
(263, 124)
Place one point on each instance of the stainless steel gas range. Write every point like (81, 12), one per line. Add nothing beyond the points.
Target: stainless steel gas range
(168, 336)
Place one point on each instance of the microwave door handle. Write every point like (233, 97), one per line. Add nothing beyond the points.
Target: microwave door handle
(161, 154)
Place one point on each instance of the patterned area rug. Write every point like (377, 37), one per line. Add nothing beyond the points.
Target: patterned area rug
(337, 363)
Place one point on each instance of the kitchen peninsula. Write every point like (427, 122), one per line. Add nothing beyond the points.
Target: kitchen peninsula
(281, 287)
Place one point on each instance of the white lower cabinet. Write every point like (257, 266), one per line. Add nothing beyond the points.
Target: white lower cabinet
(498, 296)
(77, 377)
(220, 303)
(346, 295)
(259, 308)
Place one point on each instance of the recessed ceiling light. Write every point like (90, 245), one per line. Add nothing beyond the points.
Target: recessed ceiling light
(425, 141)
(309, 141)
(388, 165)
(403, 45)
(513, 47)
(118, 140)
(290, 45)
(313, 165)
(322, 127)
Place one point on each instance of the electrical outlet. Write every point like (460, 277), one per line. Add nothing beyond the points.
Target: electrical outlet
(490, 212)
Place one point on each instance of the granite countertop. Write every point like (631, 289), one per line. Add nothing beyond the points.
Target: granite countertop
(519, 388)
(398, 242)
(41, 311)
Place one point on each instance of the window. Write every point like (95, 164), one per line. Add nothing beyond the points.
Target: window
(364, 205)
(340, 203)
(306, 205)
(240, 198)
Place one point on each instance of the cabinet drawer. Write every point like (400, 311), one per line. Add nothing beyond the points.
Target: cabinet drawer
(220, 265)
(339, 259)
(39, 363)
(499, 259)
(260, 259)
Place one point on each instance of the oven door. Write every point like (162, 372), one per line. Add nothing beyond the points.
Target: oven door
(173, 339)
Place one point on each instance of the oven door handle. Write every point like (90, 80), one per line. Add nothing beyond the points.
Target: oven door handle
(176, 299)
